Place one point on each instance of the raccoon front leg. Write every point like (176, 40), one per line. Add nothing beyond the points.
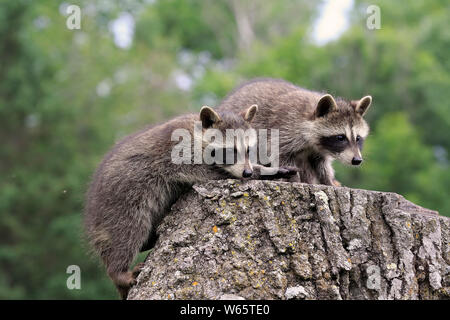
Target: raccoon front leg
(271, 173)
(324, 172)
(315, 169)
(305, 171)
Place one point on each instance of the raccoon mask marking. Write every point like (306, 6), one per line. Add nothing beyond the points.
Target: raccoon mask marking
(233, 153)
(341, 129)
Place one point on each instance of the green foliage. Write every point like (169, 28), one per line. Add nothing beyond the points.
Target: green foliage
(66, 96)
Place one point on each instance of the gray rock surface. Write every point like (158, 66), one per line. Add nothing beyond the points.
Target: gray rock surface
(277, 240)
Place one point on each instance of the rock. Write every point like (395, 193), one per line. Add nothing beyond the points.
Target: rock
(276, 240)
(296, 293)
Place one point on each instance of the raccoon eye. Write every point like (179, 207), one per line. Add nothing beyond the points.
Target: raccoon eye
(358, 138)
(340, 137)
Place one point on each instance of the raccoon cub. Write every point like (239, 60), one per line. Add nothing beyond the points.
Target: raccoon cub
(314, 128)
(138, 181)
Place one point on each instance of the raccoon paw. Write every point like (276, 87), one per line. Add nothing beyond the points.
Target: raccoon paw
(137, 269)
(286, 172)
(123, 282)
(124, 279)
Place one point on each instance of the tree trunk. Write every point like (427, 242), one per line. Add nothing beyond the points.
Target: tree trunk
(278, 240)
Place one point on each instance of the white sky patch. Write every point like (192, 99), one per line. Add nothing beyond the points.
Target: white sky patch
(333, 20)
(63, 8)
(103, 89)
(41, 22)
(182, 80)
(123, 30)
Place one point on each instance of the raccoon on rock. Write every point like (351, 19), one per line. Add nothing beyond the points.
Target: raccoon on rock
(314, 128)
(137, 182)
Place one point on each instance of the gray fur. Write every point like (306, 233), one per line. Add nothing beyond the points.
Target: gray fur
(135, 186)
(303, 117)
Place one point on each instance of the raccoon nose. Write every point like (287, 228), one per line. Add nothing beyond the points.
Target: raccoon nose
(356, 161)
(247, 173)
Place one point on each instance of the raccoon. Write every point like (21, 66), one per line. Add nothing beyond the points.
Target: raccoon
(137, 182)
(314, 128)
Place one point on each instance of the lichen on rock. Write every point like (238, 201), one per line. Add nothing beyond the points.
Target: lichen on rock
(279, 240)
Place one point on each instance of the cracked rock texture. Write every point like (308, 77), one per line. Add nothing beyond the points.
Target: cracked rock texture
(277, 240)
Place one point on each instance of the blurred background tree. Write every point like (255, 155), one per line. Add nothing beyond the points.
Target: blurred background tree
(67, 95)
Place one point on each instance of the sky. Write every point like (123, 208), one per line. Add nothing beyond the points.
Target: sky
(332, 22)
(122, 29)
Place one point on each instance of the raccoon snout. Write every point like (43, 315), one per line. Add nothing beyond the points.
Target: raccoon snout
(356, 161)
(247, 173)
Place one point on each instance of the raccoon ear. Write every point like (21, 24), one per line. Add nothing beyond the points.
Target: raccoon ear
(250, 113)
(325, 105)
(361, 106)
(208, 117)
